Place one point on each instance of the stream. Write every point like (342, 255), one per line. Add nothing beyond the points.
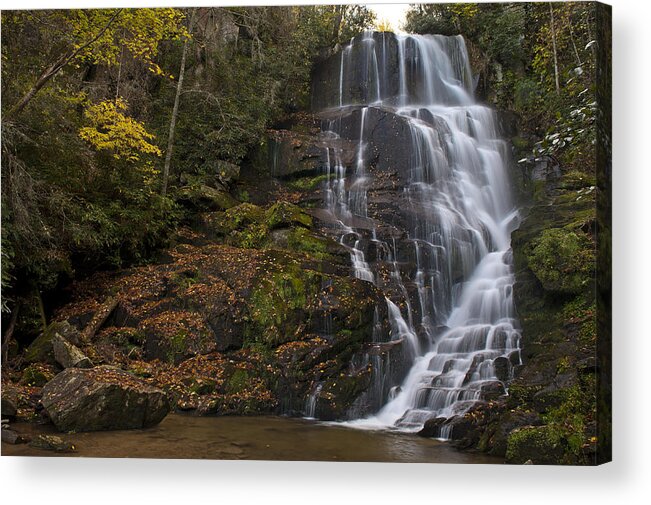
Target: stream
(251, 438)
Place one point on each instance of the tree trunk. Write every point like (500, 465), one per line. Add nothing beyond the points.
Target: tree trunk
(9, 333)
(175, 111)
(42, 80)
(336, 27)
(54, 69)
(558, 86)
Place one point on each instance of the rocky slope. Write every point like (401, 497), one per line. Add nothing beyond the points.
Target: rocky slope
(248, 313)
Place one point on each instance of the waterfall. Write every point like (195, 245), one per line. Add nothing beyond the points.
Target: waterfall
(442, 256)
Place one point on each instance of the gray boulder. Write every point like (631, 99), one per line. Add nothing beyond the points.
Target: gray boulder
(9, 406)
(102, 398)
(41, 350)
(11, 437)
(69, 355)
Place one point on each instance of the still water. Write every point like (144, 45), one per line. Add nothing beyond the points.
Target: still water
(254, 438)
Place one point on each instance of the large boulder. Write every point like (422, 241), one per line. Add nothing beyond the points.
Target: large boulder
(102, 398)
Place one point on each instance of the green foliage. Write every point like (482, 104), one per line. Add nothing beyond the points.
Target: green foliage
(562, 260)
(79, 180)
(238, 86)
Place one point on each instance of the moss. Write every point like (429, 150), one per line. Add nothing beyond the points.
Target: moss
(40, 350)
(577, 180)
(567, 421)
(204, 197)
(279, 302)
(521, 144)
(563, 436)
(254, 236)
(243, 215)
(285, 214)
(521, 394)
(301, 240)
(243, 195)
(563, 261)
(308, 183)
(177, 346)
(539, 191)
(202, 386)
(563, 365)
(37, 375)
(140, 370)
(237, 382)
(186, 278)
(539, 444)
(588, 332)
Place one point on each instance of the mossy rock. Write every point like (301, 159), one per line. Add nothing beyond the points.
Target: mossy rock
(302, 240)
(563, 261)
(551, 398)
(42, 350)
(37, 375)
(254, 236)
(285, 214)
(279, 303)
(577, 180)
(308, 183)
(227, 173)
(542, 445)
(204, 197)
(243, 215)
(237, 382)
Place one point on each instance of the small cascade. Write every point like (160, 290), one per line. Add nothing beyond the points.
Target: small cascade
(441, 253)
(312, 399)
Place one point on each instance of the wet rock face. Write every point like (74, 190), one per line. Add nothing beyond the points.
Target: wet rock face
(103, 398)
(326, 76)
(386, 135)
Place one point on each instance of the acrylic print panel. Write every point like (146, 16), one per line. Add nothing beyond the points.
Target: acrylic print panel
(308, 233)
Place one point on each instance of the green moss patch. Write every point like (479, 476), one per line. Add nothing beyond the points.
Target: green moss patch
(563, 261)
(285, 214)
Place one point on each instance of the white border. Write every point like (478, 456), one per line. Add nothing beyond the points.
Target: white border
(627, 480)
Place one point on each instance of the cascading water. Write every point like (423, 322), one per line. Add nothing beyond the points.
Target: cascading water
(444, 261)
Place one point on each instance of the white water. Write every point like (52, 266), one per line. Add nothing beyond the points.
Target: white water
(452, 312)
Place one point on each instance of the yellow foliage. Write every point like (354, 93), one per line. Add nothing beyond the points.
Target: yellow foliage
(111, 130)
(139, 31)
(383, 25)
